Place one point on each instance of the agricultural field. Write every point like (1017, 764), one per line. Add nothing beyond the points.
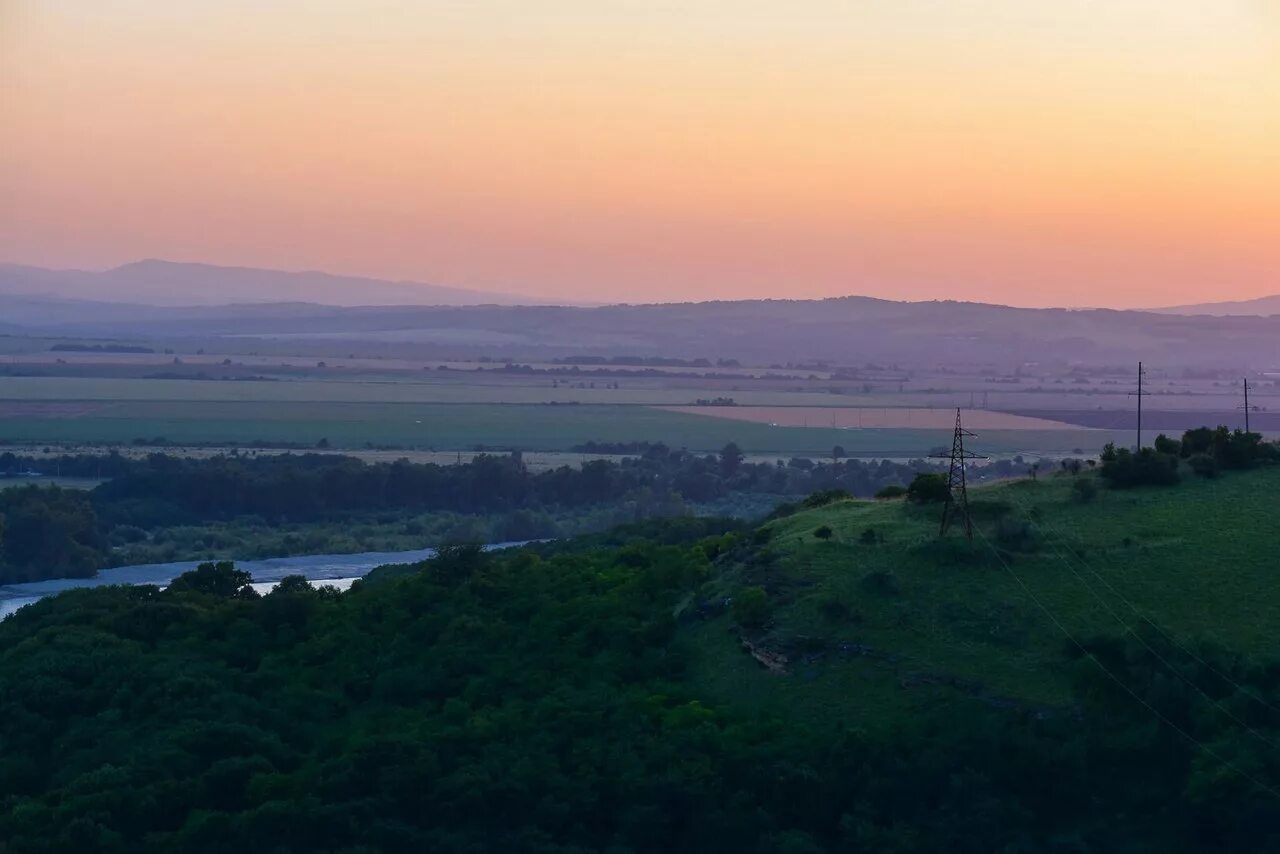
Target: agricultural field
(366, 404)
(901, 417)
(445, 427)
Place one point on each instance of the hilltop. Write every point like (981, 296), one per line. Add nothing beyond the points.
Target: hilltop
(155, 282)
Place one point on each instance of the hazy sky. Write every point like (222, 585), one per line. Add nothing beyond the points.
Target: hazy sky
(1118, 152)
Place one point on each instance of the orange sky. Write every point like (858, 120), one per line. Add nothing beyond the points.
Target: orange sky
(1078, 152)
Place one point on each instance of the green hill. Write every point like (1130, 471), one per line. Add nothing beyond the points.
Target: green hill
(1088, 675)
(899, 620)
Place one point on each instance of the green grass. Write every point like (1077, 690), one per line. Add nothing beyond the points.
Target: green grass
(1198, 560)
(463, 426)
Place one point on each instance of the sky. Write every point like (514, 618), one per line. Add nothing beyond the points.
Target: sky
(1076, 152)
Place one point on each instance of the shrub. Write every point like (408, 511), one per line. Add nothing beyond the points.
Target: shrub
(824, 533)
(1084, 490)
(880, 583)
(827, 496)
(893, 490)
(751, 607)
(1203, 465)
(1124, 469)
(928, 489)
(1018, 535)
(869, 537)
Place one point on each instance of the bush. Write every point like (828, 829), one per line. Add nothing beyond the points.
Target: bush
(824, 533)
(869, 537)
(1084, 490)
(1203, 465)
(1017, 535)
(751, 607)
(893, 490)
(1124, 469)
(827, 496)
(928, 489)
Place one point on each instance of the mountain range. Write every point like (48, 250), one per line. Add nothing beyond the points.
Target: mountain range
(273, 311)
(169, 283)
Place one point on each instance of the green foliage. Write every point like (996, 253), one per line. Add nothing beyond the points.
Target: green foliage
(215, 579)
(1124, 469)
(751, 607)
(891, 491)
(928, 489)
(823, 532)
(1018, 534)
(48, 532)
(825, 497)
(589, 695)
(1204, 465)
(1084, 489)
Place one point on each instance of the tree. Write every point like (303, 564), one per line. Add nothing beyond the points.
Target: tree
(837, 453)
(215, 579)
(824, 533)
(730, 459)
(928, 489)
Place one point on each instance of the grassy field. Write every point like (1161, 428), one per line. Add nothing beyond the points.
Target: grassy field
(922, 621)
(466, 426)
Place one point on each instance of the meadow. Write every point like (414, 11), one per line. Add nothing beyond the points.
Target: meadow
(877, 625)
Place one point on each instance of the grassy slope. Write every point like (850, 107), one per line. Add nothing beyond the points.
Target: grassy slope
(1200, 562)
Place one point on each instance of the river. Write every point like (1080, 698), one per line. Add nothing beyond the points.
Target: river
(336, 570)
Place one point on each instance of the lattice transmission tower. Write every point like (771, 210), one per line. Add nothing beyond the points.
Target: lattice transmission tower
(957, 505)
(1246, 405)
(1140, 394)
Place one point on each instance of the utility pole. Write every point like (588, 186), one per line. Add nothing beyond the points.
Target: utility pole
(957, 491)
(1140, 394)
(1246, 405)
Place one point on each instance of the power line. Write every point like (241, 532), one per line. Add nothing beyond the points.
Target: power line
(1142, 640)
(1124, 686)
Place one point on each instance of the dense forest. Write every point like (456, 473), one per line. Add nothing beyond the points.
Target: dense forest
(165, 507)
(542, 700)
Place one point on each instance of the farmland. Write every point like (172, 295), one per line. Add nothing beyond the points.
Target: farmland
(446, 407)
(497, 426)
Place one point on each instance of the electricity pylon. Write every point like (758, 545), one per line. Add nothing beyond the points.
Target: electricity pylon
(1246, 405)
(957, 490)
(1140, 394)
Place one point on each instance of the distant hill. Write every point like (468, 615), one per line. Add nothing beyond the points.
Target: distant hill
(846, 330)
(1264, 306)
(168, 283)
(145, 301)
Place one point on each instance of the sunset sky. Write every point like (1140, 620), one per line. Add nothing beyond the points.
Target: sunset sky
(1074, 152)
